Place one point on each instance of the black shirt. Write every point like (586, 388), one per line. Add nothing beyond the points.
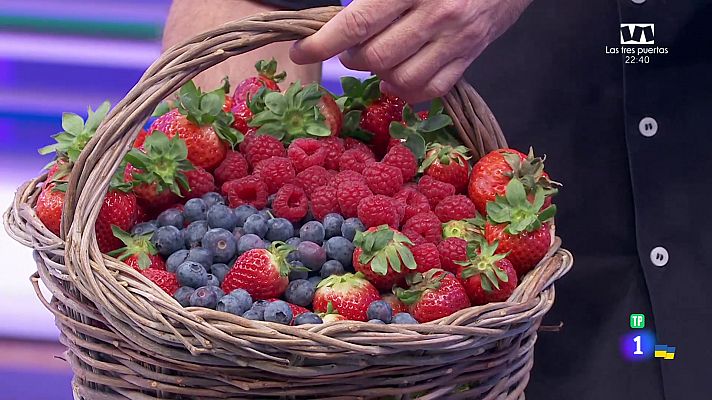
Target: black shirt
(629, 141)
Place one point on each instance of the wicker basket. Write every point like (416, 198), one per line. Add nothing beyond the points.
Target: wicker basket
(126, 338)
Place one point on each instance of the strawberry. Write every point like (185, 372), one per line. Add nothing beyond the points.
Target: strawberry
(49, 207)
(202, 123)
(447, 164)
(333, 116)
(470, 230)
(486, 276)
(520, 226)
(267, 77)
(433, 295)
(76, 134)
(493, 172)
(158, 172)
(163, 279)
(120, 209)
(382, 256)
(263, 273)
(138, 251)
(348, 294)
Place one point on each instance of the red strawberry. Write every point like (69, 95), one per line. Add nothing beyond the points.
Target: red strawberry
(433, 295)
(200, 182)
(486, 276)
(348, 294)
(383, 178)
(402, 158)
(324, 201)
(275, 172)
(263, 273)
(163, 279)
(447, 164)
(377, 118)
(454, 208)
(234, 166)
(262, 147)
(452, 252)
(248, 190)
(290, 203)
(349, 195)
(305, 153)
(520, 226)
(382, 256)
(414, 201)
(434, 190)
(140, 138)
(76, 134)
(138, 251)
(242, 114)
(493, 172)
(426, 256)
(119, 209)
(355, 160)
(396, 305)
(334, 147)
(378, 210)
(424, 225)
(267, 77)
(49, 207)
(333, 116)
(312, 178)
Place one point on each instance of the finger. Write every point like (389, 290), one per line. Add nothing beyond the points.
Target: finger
(437, 86)
(392, 46)
(355, 24)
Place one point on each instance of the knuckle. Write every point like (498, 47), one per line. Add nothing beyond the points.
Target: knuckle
(437, 88)
(403, 79)
(450, 9)
(374, 56)
(357, 23)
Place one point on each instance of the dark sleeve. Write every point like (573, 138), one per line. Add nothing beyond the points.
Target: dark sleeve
(300, 4)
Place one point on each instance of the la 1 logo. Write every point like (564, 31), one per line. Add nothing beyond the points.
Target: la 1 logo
(637, 33)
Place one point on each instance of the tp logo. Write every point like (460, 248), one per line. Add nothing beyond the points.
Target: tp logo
(637, 33)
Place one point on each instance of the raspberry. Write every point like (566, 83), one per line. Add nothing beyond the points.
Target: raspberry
(200, 182)
(290, 203)
(248, 190)
(324, 201)
(426, 256)
(312, 178)
(355, 160)
(351, 143)
(349, 194)
(455, 208)
(234, 166)
(263, 147)
(394, 142)
(334, 148)
(347, 176)
(383, 178)
(415, 202)
(426, 225)
(275, 172)
(305, 153)
(163, 279)
(402, 158)
(400, 209)
(249, 135)
(434, 190)
(451, 251)
(378, 210)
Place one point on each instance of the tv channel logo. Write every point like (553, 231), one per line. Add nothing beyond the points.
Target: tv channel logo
(637, 33)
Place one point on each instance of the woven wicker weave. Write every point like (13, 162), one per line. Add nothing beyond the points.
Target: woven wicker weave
(126, 338)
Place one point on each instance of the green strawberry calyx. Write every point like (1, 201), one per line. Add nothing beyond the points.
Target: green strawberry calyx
(530, 172)
(77, 133)
(470, 230)
(164, 162)
(385, 248)
(206, 109)
(417, 133)
(343, 283)
(359, 94)
(278, 253)
(268, 69)
(418, 284)
(139, 246)
(515, 209)
(444, 154)
(482, 261)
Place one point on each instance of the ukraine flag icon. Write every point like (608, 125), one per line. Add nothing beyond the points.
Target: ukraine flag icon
(664, 352)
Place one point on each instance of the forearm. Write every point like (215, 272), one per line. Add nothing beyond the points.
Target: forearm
(190, 17)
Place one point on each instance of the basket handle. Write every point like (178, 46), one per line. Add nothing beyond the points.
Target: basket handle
(476, 126)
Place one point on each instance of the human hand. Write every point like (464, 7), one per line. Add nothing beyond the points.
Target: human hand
(419, 48)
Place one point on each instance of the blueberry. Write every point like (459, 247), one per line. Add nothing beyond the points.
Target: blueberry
(176, 259)
(202, 256)
(297, 271)
(311, 255)
(307, 318)
(404, 318)
(332, 267)
(279, 312)
(315, 279)
(221, 243)
(279, 229)
(221, 216)
(332, 225)
(234, 304)
(294, 242)
(380, 310)
(249, 242)
(167, 240)
(213, 280)
(204, 297)
(217, 289)
(350, 226)
(243, 212)
(340, 249)
(219, 270)
(256, 224)
(195, 210)
(192, 274)
(182, 295)
(144, 228)
(254, 315)
(376, 321)
(312, 231)
(238, 233)
(266, 214)
(212, 198)
(193, 233)
(299, 292)
(171, 216)
(244, 297)
(257, 310)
